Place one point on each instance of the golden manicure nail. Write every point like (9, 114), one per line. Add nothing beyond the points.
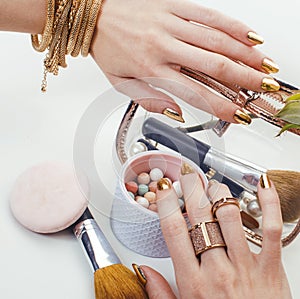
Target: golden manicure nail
(164, 184)
(269, 66)
(173, 115)
(269, 84)
(255, 38)
(186, 169)
(265, 181)
(241, 117)
(140, 274)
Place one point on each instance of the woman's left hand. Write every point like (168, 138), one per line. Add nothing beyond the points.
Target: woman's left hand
(234, 272)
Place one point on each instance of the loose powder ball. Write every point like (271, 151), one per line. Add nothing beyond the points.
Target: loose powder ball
(143, 188)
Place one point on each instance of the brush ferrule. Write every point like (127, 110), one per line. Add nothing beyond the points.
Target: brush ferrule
(95, 245)
(242, 172)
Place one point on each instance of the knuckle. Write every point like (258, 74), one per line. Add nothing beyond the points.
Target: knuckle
(214, 40)
(248, 78)
(226, 280)
(273, 231)
(217, 67)
(228, 213)
(195, 289)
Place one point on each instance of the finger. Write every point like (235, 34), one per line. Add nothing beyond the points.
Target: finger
(148, 97)
(195, 94)
(221, 43)
(174, 229)
(231, 224)
(218, 66)
(210, 17)
(272, 219)
(157, 287)
(199, 210)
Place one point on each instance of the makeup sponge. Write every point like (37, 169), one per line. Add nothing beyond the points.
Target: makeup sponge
(49, 197)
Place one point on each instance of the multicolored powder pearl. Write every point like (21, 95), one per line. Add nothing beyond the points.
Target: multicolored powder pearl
(131, 186)
(142, 189)
(177, 188)
(151, 196)
(143, 178)
(131, 195)
(153, 186)
(156, 174)
(142, 201)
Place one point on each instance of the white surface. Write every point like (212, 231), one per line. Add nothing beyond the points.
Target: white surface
(36, 127)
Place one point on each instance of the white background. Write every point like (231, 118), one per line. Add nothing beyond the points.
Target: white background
(35, 127)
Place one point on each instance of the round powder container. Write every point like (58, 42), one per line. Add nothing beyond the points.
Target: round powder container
(137, 227)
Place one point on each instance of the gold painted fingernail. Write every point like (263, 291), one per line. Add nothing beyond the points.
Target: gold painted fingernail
(173, 115)
(265, 181)
(269, 84)
(269, 66)
(164, 184)
(186, 169)
(255, 38)
(241, 117)
(140, 274)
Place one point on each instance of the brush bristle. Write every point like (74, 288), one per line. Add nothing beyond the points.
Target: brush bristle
(117, 282)
(287, 184)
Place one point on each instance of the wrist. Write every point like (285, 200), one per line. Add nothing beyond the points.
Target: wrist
(28, 16)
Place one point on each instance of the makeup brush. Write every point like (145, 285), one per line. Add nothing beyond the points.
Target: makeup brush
(47, 198)
(111, 278)
(244, 173)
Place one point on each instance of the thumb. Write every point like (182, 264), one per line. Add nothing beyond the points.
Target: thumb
(156, 286)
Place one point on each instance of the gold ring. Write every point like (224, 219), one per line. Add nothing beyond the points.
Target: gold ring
(222, 202)
(206, 235)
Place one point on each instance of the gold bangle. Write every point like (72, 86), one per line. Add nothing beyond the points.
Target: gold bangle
(75, 52)
(95, 11)
(47, 33)
(76, 26)
(69, 29)
(57, 47)
(54, 48)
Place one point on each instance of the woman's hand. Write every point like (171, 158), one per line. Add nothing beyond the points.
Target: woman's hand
(149, 41)
(234, 272)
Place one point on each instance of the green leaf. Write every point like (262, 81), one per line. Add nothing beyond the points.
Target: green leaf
(294, 97)
(290, 112)
(287, 127)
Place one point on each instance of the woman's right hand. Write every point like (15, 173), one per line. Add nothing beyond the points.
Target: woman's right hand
(141, 45)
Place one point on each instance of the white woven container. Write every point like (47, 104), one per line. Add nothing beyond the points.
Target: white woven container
(135, 226)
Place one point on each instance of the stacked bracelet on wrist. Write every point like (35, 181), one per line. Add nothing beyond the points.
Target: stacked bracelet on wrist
(69, 29)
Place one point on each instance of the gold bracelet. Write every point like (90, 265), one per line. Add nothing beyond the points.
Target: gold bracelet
(76, 26)
(89, 32)
(75, 52)
(69, 29)
(57, 48)
(46, 38)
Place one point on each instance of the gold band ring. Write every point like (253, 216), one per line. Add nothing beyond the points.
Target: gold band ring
(206, 235)
(222, 202)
